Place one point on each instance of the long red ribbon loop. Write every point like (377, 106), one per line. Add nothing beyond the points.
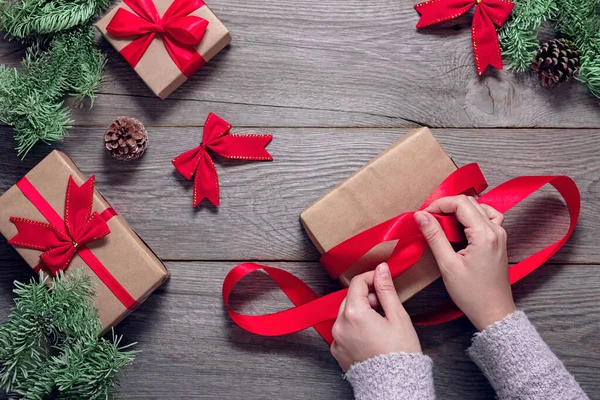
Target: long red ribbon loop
(61, 239)
(321, 312)
(216, 137)
(181, 32)
(486, 48)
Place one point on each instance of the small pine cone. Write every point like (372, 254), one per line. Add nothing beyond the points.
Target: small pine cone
(126, 139)
(556, 61)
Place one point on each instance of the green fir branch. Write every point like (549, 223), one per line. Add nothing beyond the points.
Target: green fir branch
(25, 18)
(519, 35)
(31, 97)
(49, 344)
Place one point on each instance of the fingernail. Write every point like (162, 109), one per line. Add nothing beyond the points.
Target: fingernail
(421, 219)
(383, 270)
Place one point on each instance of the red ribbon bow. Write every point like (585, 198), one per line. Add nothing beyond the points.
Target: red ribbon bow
(320, 312)
(60, 243)
(487, 13)
(217, 138)
(181, 32)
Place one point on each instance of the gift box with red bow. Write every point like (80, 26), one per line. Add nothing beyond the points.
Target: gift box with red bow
(396, 181)
(57, 220)
(165, 41)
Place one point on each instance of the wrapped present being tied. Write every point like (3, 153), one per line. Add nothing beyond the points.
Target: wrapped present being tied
(397, 181)
(56, 219)
(352, 224)
(165, 41)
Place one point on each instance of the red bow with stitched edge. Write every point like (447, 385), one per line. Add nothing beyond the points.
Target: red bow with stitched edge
(60, 243)
(217, 138)
(181, 32)
(487, 13)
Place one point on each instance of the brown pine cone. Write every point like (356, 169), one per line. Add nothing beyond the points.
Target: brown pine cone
(556, 61)
(126, 139)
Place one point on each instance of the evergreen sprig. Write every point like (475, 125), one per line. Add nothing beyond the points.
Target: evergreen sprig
(49, 344)
(62, 60)
(22, 19)
(576, 20)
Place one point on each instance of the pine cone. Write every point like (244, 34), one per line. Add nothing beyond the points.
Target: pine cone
(556, 61)
(126, 139)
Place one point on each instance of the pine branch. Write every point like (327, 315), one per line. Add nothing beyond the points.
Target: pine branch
(25, 18)
(519, 35)
(31, 97)
(49, 343)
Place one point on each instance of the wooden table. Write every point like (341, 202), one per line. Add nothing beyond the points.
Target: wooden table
(336, 82)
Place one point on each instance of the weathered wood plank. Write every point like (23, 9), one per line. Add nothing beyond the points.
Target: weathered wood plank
(192, 350)
(258, 216)
(341, 63)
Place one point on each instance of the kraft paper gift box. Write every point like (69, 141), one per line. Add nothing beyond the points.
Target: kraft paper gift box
(156, 67)
(398, 180)
(121, 252)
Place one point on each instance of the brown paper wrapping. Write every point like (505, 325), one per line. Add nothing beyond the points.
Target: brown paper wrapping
(398, 180)
(156, 67)
(122, 252)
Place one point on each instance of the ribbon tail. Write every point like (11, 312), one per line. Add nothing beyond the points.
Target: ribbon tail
(206, 181)
(134, 51)
(78, 205)
(243, 147)
(486, 47)
(186, 58)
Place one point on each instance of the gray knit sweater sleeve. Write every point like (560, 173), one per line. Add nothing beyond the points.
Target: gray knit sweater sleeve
(519, 364)
(393, 376)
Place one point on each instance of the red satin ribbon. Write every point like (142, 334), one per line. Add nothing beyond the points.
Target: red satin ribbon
(181, 32)
(60, 240)
(483, 32)
(321, 312)
(217, 138)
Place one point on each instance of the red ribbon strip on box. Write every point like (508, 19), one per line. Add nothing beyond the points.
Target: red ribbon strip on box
(60, 240)
(483, 32)
(321, 312)
(217, 138)
(181, 32)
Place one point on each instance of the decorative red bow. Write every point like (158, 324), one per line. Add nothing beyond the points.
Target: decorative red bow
(181, 32)
(485, 39)
(217, 138)
(60, 243)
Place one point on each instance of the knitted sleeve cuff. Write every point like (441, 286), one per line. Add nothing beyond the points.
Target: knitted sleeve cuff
(519, 364)
(393, 376)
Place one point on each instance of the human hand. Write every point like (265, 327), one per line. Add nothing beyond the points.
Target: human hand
(476, 277)
(360, 332)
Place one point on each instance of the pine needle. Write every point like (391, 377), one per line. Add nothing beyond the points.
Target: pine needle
(62, 60)
(576, 20)
(49, 343)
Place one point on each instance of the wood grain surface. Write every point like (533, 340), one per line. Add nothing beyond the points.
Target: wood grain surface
(335, 82)
(190, 349)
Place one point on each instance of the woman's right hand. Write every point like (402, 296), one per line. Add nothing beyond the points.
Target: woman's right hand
(476, 277)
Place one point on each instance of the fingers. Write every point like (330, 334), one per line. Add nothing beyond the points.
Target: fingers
(465, 211)
(386, 293)
(373, 300)
(494, 215)
(358, 292)
(436, 238)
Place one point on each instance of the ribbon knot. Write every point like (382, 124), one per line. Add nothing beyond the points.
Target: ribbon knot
(486, 48)
(158, 27)
(60, 243)
(198, 163)
(180, 32)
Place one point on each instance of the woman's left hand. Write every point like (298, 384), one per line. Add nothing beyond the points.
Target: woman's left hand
(360, 332)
